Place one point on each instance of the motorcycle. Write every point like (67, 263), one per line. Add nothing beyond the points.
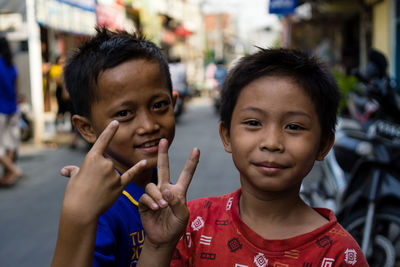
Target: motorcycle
(25, 120)
(360, 177)
(182, 98)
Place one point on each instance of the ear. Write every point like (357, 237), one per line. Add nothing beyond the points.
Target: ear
(175, 96)
(85, 128)
(225, 137)
(326, 145)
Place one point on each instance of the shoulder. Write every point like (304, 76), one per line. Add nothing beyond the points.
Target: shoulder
(337, 243)
(210, 211)
(210, 203)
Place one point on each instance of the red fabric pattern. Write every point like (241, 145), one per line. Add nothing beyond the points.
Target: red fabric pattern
(216, 236)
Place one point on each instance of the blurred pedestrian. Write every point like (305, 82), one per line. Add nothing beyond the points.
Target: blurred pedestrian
(219, 76)
(65, 108)
(179, 83)
(63, 101)
(220, 73)
(9, 116)
(211, 83)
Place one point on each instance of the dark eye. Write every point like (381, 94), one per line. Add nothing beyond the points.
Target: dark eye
(123, 113)
(161, 104)
(294, 127)
(253, 123)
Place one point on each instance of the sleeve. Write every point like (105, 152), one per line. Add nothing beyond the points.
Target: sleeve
(351, 256)
(104, 252)
(347, 252)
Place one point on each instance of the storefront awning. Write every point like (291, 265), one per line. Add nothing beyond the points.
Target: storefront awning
(74, 16)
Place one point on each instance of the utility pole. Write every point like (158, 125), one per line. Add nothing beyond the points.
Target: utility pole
(35, 71)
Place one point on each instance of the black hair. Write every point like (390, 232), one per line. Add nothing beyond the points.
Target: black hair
(5, 51)
(105, 50)
(379, 62)
(305, 70)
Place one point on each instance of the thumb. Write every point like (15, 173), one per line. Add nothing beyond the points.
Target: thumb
(69, 171)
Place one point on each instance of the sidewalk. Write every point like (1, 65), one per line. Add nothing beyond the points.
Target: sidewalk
(58, 140)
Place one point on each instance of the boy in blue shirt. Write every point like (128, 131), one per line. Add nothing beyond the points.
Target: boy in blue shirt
(121, 90)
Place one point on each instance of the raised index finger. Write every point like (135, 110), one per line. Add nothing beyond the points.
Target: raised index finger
(105, 137)
(163, 163)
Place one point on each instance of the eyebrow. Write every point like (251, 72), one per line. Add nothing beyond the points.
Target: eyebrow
(288, 114)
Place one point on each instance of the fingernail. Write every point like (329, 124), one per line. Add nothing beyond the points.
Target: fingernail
(154, 206)
(114, 123)
(163, 203)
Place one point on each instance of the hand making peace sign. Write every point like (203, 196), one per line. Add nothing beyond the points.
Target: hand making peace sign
(163, 207)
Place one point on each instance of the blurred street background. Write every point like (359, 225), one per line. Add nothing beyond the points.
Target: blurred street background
(201, 36)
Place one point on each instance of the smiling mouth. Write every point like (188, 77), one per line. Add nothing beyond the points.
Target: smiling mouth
(149, 144)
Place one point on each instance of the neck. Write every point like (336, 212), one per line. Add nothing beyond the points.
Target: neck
(143, 178)
(269, 206)
(278, 215)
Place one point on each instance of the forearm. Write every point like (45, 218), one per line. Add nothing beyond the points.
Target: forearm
(155, 256)
(75, 242)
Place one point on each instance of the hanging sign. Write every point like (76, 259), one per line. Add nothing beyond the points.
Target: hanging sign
(282, 7)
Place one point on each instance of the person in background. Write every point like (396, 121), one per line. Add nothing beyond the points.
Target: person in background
(179, 83)
(65, 108)
(9, 116)
(210, 82)
(219, 75)
(63, 100)
(278, 116)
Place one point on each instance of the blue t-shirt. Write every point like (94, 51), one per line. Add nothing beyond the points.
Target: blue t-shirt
(120, 234)
(8, 96)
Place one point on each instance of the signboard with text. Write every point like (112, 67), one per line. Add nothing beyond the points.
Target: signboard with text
(282, 7)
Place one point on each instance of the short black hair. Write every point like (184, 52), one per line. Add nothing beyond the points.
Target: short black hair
(105, 50)
(306, 70)
(5, 51)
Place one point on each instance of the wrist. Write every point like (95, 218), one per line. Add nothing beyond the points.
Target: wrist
(159, 248)
(156, 255)
(76, 214)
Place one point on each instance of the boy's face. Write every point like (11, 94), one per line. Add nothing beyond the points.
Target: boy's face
(135, 94)
(274, 136)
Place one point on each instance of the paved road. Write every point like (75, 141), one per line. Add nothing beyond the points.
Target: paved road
(30, 210)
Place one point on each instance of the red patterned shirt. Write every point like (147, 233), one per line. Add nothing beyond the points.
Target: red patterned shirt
(216, 236)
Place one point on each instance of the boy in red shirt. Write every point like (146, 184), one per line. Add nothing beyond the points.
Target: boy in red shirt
(278, 115)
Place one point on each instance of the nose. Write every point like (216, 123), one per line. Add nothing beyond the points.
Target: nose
(147, 123)
(272, 140)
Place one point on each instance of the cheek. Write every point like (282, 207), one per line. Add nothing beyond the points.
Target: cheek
(121, 139)
(169, 126)
(241, 149)
(306, 153)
